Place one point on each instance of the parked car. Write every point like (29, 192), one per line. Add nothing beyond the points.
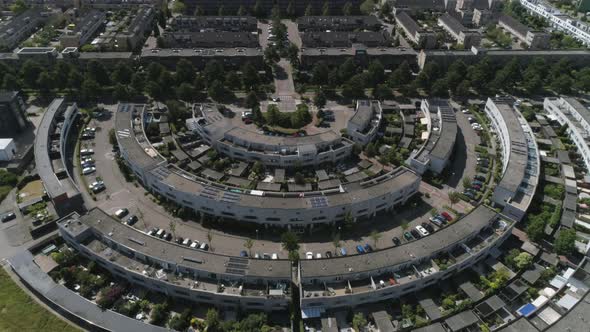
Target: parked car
(265, 256)
(318, 255)
(187, 242)
(243, 253)
(360, 249)
(436, 221)
(179, 240)
(153, 231)
(274, 256)
(168, 237)
(422, 231)
(479, 178)
(368, 247)
(408, 236)
(428, 227)
(328, 254)
(257, 255)
(396, 241)
(447, 216)
(121, 213)
(343, 251)
(194, 245)
(475, 182)
(468, 194)
(98, 188)
(309, 255)
(132, 220)
(9, 216)
(86, 152)
(160, 233)
(87, 164)
(204, 246)
(476, 187)
(88, 170)
(415, 234)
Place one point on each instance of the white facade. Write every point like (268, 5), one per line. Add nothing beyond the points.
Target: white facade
(7, 149)
(558, 20)
(520, 157)
(568, 111)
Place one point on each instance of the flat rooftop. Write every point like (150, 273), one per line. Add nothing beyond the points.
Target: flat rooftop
(44, 164)
(128, 128)
(398, 179)
(140, 242)
(445, 238)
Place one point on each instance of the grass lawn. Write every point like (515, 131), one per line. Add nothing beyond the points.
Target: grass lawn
(19, 312)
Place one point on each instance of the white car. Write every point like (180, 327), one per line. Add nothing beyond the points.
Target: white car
(318, 255)
(274, 256)
(121, 213)
(194, 245)
(88, 170)
(309, 255)
(422, 231)
(86, 152)
(465, 111)
(90, 129)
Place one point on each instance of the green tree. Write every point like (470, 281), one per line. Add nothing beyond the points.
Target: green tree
(453, 197)
(354, 88)
(19, 7)
(326, 9)
(45, 82)
(375, 236)
(198, 11)
(271, 55)
(565, 243)
(10, 82)
(96, 71)
(30, 72)
(90, 89)
(252, 100)
(290, 241)
(440, 88)
(367, 7)
(178, 7)
(336, 242)
(299, 178)
(122, 73)
(358, 320)
(376, 72)
(248, 245)
(120, 92)
(347, 69)
(562, 84)
(320, 73)
(582, 79)
(138, 81)
(217, 91)
(347, 8)
(213, 71)
(185, 92)
(250, 78)
(309, 10)
(523, 261)
(273, 115)
(320, 99)
(185, 71)
(371, 150)
(258, 9)
(535, 229)
(401, 75)
(212, 320)
(291, 9)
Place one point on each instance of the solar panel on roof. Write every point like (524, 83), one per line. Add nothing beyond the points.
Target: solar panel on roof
(318, 202)
(236, 271)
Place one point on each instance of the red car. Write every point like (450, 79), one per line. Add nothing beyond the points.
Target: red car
(476, 187)
(447, 216)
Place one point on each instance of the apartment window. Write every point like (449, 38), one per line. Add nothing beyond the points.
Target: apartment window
(251, 217)
(273, 219)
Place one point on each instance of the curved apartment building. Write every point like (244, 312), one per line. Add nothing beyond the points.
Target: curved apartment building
(362, 198)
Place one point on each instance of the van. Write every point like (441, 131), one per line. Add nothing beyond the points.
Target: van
(422, 231)
(121, 213)
(204, 246)
(160, 233)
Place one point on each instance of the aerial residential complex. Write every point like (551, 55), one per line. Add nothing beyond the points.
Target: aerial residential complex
(520, 158)
(441, 131)
(558, 20)
(568, 111)
(264, 165)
